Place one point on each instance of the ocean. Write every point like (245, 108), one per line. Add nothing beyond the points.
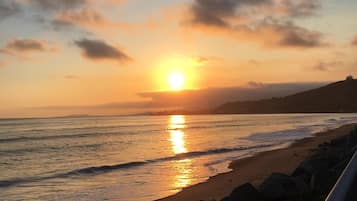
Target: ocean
(141, 158)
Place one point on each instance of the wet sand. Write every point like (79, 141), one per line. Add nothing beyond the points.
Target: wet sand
(256, 168)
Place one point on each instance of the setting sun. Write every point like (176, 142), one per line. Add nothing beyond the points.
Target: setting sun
(176, 81)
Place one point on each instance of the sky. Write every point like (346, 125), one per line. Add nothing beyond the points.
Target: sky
(115, 56)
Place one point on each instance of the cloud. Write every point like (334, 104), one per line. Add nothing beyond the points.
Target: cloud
(26, 45)
(85, 17)
(219, 13)
(8, 8)
(202, 60)
(54, 5)
(98, 49)
(254, 62)
(15, 46)
(326, 66)
(71, 77)
(292, 35)
(269, 22)
(298, 8)
(354, 41)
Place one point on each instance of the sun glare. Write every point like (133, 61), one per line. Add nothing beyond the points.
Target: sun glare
(176, 81)
(176, 73)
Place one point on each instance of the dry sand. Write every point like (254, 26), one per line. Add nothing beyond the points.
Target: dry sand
(255, 169)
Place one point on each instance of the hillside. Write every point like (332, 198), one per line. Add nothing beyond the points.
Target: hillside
(336, 97)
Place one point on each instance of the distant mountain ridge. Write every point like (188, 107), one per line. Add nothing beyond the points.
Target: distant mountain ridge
(336, 97)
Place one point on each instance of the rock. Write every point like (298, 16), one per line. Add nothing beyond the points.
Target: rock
(352, 139)
(245, 192)
(312, 166)
(301, 186)
(280, 186)
(338, 141)
(321, 181)
(353, 150)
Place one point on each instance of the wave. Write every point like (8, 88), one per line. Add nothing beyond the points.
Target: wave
(94, 134)
(80, 135)
(123, 166)
(47, 149)
(282, 135)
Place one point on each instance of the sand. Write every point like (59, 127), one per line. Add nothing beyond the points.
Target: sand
(256, 168)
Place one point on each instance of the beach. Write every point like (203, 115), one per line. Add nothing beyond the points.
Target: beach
(257, 168)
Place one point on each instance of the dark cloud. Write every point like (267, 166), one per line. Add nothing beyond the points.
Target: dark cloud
(272, 32)
(326, 66)
(22, 48)
(58, 4)
(25, 45)
(292, 35)
(300, 8)
(213, 12)
(216, 12)
(97, 49)
(59, 24)
(269, 21)
(8, 8)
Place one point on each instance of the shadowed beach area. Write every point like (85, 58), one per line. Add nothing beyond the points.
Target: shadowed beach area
(257, 168)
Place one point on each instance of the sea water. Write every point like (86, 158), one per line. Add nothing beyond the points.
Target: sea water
(139, 158)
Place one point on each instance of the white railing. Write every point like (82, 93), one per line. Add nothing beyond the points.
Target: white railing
(344, 183)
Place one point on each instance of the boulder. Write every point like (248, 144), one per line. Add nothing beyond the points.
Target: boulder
(280, 186)
(245, 192)
(338, 141)
(312, 166)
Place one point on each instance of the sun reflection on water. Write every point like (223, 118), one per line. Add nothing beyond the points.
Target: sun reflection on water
(177, 122)
(177, 141)
(183, 171)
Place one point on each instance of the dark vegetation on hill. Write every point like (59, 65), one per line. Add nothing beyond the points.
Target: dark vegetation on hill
(336, 97)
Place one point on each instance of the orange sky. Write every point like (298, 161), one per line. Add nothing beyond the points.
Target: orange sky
(90, 52)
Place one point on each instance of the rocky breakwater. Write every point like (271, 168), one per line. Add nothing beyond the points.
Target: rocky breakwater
(312, 180)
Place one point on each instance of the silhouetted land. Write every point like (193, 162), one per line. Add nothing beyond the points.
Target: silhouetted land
(336, 97)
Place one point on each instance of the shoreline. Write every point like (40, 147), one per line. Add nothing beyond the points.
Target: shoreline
(258, 167)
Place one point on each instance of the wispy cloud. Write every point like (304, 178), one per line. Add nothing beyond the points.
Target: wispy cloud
(269, 22)
(82, 18)
(221, 13)
(9, 8)
(54, 5)
(22, 46)
(326, 66)
(26, 45)
(98, 49)
(71, 77)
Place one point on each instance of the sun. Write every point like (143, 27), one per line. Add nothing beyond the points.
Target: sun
(176, 81)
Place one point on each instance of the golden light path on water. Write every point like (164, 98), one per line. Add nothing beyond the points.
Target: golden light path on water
(182, 168)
